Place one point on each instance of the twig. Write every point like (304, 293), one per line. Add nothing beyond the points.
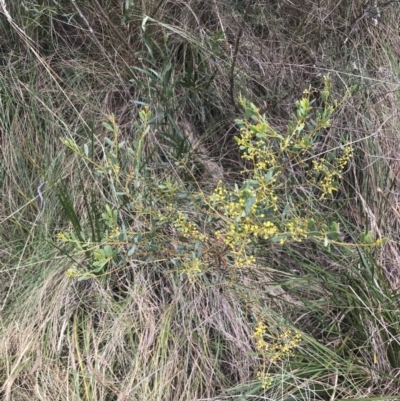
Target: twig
(234, 58)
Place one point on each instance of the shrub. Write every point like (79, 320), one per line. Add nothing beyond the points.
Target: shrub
(281, 201)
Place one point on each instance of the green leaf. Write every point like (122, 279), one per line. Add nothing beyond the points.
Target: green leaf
(108, 141)
(167, 75)
(335, 227)
(268, 177)
(132, 250)
(83, 277)
(285, 211)
(252, 183)
(333, 235)
(366, 238)
(99, 265)
(108, 251)
(311, 225)
(280, 237)
(249, 203)
(115, 216)
(98, 255)
(108, 127)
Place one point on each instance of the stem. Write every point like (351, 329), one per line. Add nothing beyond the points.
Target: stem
(234, 58)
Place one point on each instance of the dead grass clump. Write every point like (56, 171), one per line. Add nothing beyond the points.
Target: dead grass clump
(165, 340)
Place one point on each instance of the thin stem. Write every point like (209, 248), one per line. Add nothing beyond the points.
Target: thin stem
(234, 58)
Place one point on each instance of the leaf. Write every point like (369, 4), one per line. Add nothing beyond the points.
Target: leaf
(108, 141)
(280, 237)
(98, 270)
(115, 216)
(155, 118)
(300, 128)
(333, 235)
(335, 227)
(153, 74)
(107, 127)
(99, 265)
(167, 75)
(67, 205)
(108, 251)
(311, 225)
(83, 277)
(132, 250)
(249, 203)
(285, 211)
(268, 177)
(366, 238)
(199, 249)
(98, 255)
(252, 183)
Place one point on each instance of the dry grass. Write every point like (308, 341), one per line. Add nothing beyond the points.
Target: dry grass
(161, 340)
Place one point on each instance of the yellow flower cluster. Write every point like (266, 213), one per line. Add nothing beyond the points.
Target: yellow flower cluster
(278, 345)
(262, 155)
(112, 167)
(344, 159)
(115, 231)
(192, 268)
(244, 223)
(249, 227)
(274, 345)
(244, 260)
(265, 379)
(265, 230)
(261, 209)
(61, 236)
(235, 209)
(188, 228)
(331, 174)
(328, 182)
(72, 272)
(298, 229)
(220, 194)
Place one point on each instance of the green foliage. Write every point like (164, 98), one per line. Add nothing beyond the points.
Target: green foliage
(276, 204)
